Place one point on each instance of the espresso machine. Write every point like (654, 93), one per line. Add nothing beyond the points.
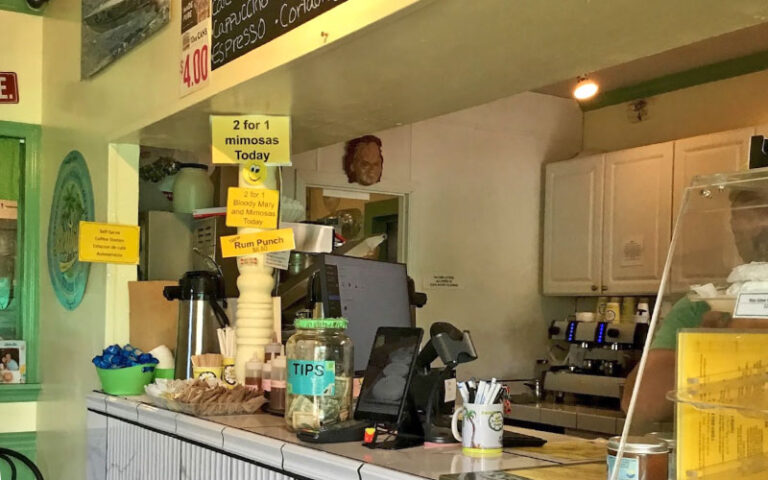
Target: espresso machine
(598, 356)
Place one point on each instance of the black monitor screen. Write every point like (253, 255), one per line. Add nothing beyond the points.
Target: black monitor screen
(368, 293)
(385, 385)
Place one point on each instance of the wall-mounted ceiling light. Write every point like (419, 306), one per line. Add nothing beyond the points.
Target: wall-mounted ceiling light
(585, 89)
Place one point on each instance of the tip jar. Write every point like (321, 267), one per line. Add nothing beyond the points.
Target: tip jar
(320, 367)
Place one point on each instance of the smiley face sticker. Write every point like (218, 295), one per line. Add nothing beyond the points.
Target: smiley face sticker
(254, 172)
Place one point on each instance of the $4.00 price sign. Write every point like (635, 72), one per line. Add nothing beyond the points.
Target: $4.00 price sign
(195, 68)
(195, 64)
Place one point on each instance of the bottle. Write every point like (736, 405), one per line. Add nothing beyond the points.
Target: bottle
(266, 379)
(602, 302)
(277, 385)
(627, 309)
(272, 351)
(612, 310)
(253, 371)
(192, 188)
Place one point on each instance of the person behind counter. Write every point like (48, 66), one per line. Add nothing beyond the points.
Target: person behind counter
(749, 224)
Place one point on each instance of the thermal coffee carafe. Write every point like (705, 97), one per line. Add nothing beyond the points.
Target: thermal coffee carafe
(200, 314)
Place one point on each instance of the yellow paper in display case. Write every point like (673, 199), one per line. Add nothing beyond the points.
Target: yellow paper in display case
(252, 207)
(108, 243)
(723, 373)
(262, 242)
(243, 138)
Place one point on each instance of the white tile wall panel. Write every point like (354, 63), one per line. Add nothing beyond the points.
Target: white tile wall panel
(96, 467)
(319, 465)
(373, 472)
(248, 471)
(254, 447)
(199, 463)
(198, 430)
(96, 401)
(123, 440)
(157, 418)
(159, 456)
(122, 408)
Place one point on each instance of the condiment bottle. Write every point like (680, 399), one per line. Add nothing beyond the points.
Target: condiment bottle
(602, 303)
(643, 311)
(253, 370)
(612, 310)
(627, 309)
(272, 351)
(266, 379)
(277, 386)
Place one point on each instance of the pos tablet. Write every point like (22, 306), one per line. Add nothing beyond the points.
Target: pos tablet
(384, 391)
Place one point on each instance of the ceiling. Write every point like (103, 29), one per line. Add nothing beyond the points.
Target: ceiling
(442, 56)
(740, 43)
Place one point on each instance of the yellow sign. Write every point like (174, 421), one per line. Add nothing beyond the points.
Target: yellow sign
(243, 138)
(726, 369)
(262, 242)
(108, 243)
(252, 207)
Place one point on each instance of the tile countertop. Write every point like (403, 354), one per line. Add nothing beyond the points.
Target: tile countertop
(265, 439)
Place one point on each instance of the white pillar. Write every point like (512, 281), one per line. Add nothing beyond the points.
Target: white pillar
(254, 319)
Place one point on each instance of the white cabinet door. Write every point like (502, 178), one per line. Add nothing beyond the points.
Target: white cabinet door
(705, 250)
(573, 219)
(637, 218)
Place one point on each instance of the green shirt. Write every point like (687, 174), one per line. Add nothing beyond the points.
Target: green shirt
(685, 314)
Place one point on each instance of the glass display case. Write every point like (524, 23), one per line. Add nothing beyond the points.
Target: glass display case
(704, 371)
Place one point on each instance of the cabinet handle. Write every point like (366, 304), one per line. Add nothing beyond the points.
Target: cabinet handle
(594, 288)
(603, 288)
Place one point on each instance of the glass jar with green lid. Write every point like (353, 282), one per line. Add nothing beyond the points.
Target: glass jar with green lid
(320, 363)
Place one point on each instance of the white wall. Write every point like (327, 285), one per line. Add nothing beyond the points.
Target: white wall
(22, 52)
(711, 107)
(474, 178)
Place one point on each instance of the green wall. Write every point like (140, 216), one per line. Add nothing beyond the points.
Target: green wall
(23, 443)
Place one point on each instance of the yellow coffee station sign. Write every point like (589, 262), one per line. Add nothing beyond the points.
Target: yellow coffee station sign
(243, 138)
(108, 243)
(252, 207)
(262, 242)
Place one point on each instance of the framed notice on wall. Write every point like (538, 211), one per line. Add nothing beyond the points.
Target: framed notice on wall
(240, 26)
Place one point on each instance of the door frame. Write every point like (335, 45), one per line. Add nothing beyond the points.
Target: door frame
(29, 253)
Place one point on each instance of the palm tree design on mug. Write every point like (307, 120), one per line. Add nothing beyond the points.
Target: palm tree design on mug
(470, 415)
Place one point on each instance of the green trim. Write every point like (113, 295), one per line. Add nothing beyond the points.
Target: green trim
(19, 6)
(676, 81)
(21, 392)
(29, 210)
(24, 443)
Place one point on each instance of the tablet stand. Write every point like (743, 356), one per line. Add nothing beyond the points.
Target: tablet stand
(409, 433)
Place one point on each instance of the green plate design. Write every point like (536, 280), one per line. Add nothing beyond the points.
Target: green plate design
(72, 203)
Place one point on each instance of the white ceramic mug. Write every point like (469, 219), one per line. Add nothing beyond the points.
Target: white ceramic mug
(482, 428)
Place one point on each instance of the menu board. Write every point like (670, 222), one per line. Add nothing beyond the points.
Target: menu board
(240, 26)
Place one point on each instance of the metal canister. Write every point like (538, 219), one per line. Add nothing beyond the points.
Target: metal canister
(645, 458)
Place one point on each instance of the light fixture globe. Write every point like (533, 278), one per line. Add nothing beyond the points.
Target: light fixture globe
(585, 89)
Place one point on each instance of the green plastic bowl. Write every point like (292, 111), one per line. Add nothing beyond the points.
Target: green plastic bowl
(165, 373)
(126, 381)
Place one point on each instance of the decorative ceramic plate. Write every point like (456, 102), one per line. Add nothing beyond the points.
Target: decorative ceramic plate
(72, 203)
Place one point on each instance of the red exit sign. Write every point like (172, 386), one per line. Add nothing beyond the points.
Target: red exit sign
(9, 88)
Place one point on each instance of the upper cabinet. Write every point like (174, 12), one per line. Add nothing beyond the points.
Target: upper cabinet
(608, 218)
(637, 206)
(602, 228)
(573, 218)
(716, 153)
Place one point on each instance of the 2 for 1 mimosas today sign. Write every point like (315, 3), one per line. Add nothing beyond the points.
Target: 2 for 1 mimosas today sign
(243, 138)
